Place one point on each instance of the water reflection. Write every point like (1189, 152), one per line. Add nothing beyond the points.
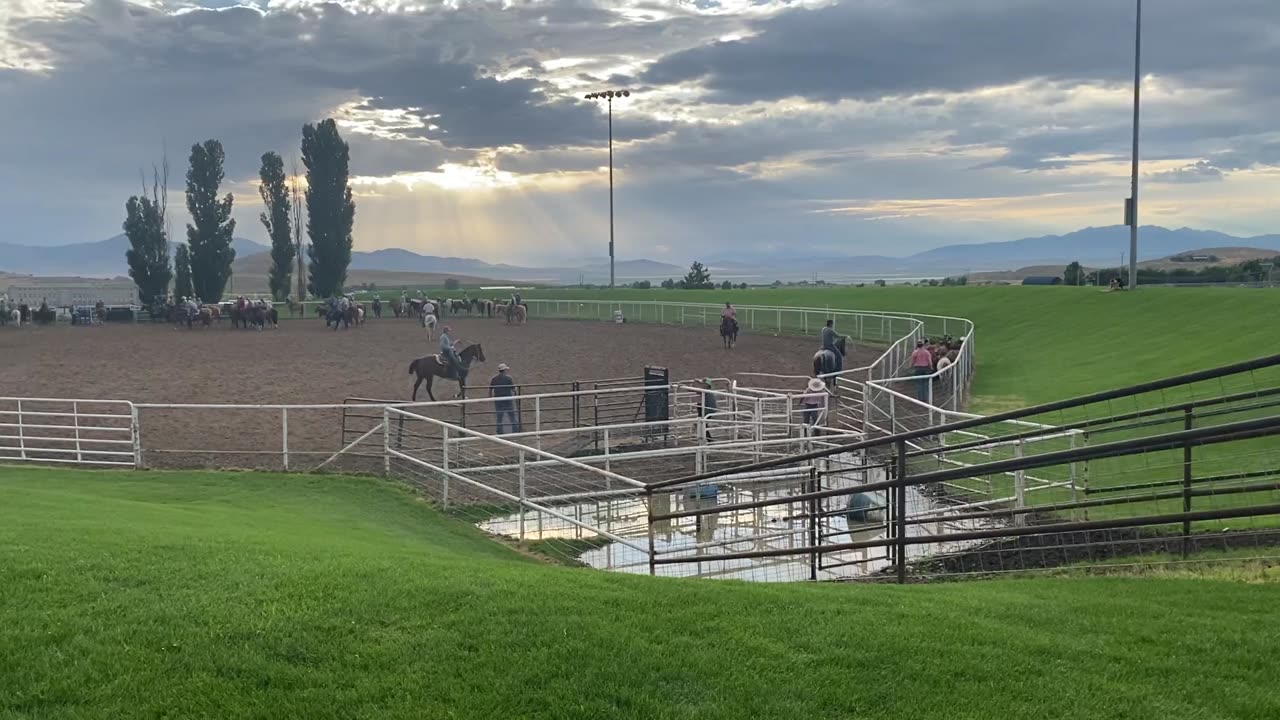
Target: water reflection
(776, 527)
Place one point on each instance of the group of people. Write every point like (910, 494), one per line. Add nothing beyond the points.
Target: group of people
(932, 355)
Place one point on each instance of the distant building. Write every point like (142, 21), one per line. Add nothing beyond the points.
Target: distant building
(66, 293)
(1042, 280)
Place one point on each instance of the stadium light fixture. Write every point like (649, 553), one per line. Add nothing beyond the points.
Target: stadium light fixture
(608, 96)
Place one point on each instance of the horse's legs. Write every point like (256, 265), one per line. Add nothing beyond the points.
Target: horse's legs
(462, 387)
(430, 394)
(416, 383)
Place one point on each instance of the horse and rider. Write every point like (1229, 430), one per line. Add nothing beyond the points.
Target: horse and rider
(450, 364)
(729, 325)
(830, 358)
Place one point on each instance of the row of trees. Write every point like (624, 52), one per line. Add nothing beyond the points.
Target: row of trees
(1248, 271)
(202, 265)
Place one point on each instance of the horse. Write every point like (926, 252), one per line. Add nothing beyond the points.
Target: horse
(429, 323)
(433, 366)
(377, 307)
(100, 313)
(728, 331)
(15, 317)
(457, 306)
(824, 362)
(206, 316)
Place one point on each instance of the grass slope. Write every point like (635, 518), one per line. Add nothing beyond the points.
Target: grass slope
(1037, 344)
(219, 595)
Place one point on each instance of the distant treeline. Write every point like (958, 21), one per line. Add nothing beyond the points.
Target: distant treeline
(1250, 271)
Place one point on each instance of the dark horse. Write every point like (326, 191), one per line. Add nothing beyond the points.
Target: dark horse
(728, 331)
(433, 366)
(825, 362)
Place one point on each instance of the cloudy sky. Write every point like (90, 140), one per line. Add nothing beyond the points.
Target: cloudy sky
(755, 127)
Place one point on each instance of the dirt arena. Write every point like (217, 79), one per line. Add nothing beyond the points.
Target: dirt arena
(302, 362)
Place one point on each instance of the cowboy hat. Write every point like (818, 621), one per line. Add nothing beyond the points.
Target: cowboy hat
(816, 385)
(503, 366)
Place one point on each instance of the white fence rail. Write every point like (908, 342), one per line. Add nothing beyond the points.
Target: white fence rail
(68, 431)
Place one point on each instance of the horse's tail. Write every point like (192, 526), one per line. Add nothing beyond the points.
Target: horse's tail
(413, 366)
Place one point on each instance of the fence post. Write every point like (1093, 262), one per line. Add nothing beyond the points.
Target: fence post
(699, 457)
(75, 418)
(1019, 488)
(444, 463)
(1188, 422)
(284, 436)
(520, 477)
(1073, 477)
(653, 554)
(135, 430)
(815, 506)
(608, 482)
(537, 420)
(900, 512)
(386, 441)
(1085, 439)
(779, 322)
(22, 440)
(757, 418)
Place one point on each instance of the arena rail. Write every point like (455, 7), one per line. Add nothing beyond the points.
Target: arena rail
(1151, 468)
(69, 431)
(946, 389)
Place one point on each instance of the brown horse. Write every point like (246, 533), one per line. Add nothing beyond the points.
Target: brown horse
(433, 366)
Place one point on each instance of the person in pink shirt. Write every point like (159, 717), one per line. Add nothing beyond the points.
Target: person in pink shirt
(922, 366)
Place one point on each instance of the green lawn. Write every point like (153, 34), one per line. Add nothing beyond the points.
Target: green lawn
(1036, 344)
(185, 595)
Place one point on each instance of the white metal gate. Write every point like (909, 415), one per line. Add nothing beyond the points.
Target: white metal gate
(68, 431)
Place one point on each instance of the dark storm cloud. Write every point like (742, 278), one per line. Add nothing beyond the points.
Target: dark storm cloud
(876, 49)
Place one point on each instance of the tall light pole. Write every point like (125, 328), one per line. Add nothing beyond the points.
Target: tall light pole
(1133, 192)
(608, 96)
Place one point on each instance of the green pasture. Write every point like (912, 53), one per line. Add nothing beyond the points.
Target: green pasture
(186, 595)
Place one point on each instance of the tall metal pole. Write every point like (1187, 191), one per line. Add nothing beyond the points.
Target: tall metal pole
(609, 95)
(1137, 96)
(611, 192)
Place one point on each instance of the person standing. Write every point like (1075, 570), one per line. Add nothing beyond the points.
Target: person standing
(502, 388)
(922, 367)
(831, 341)
(815, 399)
(706, 406)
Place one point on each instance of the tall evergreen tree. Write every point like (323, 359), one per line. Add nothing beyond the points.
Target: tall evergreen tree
(182, 272)
(210, 232)
(148, 253)
(146, 226)
(274, 190)
(330, 209)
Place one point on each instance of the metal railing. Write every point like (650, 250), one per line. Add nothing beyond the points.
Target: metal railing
(1150, 468)
(68, 431)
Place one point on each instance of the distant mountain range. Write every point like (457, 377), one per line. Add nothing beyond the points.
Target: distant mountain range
(1091, 246)
(105, 258)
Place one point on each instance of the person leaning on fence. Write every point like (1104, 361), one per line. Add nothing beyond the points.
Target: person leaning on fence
(831, 341)
(502, 388)
(706, 406)
(815, 398)
(922, 366)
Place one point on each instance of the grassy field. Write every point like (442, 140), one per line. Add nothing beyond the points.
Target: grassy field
(219, 595)
(1036, 344)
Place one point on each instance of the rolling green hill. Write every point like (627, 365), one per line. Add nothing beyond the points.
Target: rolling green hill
(219, 595)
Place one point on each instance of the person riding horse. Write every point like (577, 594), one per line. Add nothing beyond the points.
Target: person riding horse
(834, 342)
(729, 324)
(449, 352)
